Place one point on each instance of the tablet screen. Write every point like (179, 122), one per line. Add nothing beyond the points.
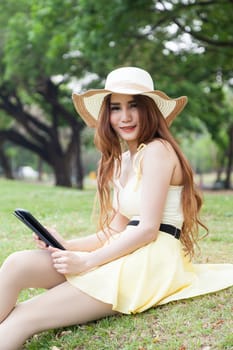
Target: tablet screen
(28, 219)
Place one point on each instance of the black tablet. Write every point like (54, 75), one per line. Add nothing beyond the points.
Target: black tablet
(28, 219)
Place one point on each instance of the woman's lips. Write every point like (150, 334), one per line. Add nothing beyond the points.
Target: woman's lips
(128, 128)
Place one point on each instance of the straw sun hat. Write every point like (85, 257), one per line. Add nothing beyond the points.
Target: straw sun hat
(130, 81)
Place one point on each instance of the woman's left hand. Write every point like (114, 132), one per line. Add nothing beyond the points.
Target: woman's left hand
(68, 262)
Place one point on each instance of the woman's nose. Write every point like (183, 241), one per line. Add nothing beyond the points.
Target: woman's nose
(126, 115)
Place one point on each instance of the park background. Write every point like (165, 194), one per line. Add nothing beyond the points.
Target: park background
(50, 48)
(48, 161)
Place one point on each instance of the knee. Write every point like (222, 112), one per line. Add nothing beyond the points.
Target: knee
(15, 262)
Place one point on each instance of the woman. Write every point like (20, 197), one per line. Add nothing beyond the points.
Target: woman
(141, 255)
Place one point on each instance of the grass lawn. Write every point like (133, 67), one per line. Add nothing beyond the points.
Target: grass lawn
(200, 323)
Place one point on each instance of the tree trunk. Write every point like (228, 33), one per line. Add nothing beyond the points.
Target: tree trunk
(40, 169)
(6, 166)
(35, 134)
(218, 174)
(230, 159)
(78, 162)
(79, 172)
(62, 172)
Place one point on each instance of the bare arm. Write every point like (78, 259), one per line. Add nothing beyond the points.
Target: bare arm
(158, 168)
(97, 240)
(91, 242)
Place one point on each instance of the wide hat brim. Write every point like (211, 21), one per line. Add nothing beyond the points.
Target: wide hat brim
(89, 103)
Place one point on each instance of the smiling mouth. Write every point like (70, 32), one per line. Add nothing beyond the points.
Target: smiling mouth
(128, 128)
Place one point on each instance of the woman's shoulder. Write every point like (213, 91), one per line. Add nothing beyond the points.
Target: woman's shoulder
(159, 147)
(164, 157)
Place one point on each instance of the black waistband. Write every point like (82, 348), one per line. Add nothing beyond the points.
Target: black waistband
(172, 230)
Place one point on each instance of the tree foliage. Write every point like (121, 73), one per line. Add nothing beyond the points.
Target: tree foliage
(39, 105)
(186, 45)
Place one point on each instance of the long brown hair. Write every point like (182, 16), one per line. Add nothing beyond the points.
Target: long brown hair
(152, 126)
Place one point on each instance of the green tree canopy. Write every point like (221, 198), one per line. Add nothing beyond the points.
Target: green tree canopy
(48, 46)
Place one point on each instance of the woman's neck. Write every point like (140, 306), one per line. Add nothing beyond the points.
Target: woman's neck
(132, 148)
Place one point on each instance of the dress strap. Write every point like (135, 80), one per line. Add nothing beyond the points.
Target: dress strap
(137, 164)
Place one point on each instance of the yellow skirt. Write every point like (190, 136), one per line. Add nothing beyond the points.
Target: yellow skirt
(152, 275)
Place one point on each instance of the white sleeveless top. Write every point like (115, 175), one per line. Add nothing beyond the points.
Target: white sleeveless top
(127, 198)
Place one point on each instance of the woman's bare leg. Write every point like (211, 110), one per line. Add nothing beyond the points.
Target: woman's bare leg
(61, 306)
(25, 269)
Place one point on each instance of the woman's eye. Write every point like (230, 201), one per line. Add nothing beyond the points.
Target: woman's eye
(114, 108)
(133, 105)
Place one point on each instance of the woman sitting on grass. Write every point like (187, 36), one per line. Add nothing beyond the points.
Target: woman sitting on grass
(140, 258)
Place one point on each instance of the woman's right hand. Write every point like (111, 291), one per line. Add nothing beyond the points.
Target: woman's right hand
(42, 245)
(39, 243)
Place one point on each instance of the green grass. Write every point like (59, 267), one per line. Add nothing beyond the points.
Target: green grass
(203, 323)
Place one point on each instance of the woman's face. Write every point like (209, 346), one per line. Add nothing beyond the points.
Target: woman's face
(124, 117)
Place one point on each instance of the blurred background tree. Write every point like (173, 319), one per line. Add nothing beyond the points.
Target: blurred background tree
(50, 47)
